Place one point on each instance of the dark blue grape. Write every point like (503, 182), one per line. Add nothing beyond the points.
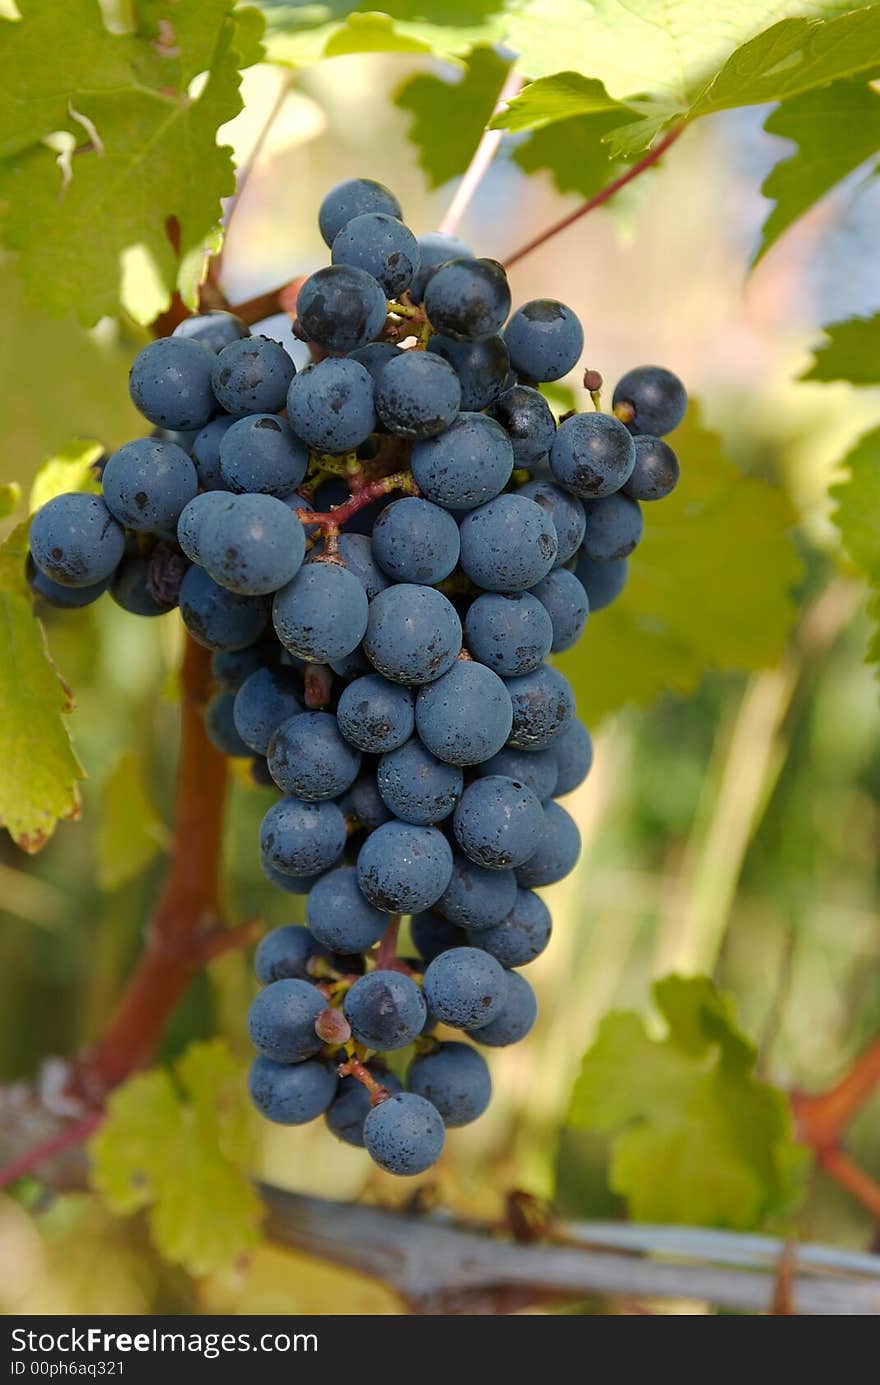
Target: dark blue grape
(656, 396)
(508, 544)
(519, 1009)
(386, 1010)
(364, 802)
(464, 987)
(205, 452)
(322, 614)
(566, 512)
(527, 419)
(354, 197)
(558, 849)
(217, 618)
(65, 598)
(281, 1020)
(543, 703)
(482, 367)
(132, 587)
(375, 356)
(284, 953)
(572, 753)
(339, 916)
(415, 541)
(356, 553)
(545, 340)
(341, 308)
(265, 699)
(614, 527)
(170, 383)
(468, 298)
(75, 540)
(537, 769)
(252, 376)
(403, 868)
(302, 838)
(468, 464)
(464, 717)
(417, 787)
(253, 544)
(498, 822)
(404, 1135)
(221, 728)
(382, 246)
(147, 483)
(417, 395)
(194, 518)
(567, 605)
(291, 884)
(475, 897)
(231, 668)
(522, 936)
(261, 453)
(214, 329)
(330, 405)
(602, 581)
(292, 1094)
(309, 759)
(376, 715)
(432, 935)
(592, 455)
(510, 633)
(656, 471)
(413, 634)
(455, 1078)
(435, 249)
(351, 1105)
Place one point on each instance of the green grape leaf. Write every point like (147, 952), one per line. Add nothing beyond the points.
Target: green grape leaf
(836, 129)
(555, 98)
(448, 117)
(113, 183)
(72, 468)
(857, 516)
(10, 498)
(371, 33)
(130, 831)
(38, 785)
(852, 352)
(709, 586)
(179, 1144)
(696, 1138)
(301, 34)
(572, 152)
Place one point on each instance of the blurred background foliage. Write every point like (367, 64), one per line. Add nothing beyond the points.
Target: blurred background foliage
(730, 825)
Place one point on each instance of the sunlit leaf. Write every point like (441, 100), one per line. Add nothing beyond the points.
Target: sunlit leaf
(70, 469)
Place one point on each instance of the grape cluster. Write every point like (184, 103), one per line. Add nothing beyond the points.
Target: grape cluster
(383, 550)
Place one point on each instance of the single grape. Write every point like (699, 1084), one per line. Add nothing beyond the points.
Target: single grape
(537, 769)
(557, 851)
(464, 987)
(193, 520)
(252, 376)
(435, 249)
(417, 787)
(415, 541)
(214, 329)
(614, 527)
(476, 898)
(309, 759)
(261, 453)
(464, 717)
(566, 512)
(252, 545)
(281, 1020)
(509, 633)
(658, 398)
(376, 715)
(134, 586)
(382, 246)
(403, 868)
(351, 1105)
(592, 455)
(284, 953)
(566, 603)
(413, 633)
(302, 838)
(375, 356)
(572, 752)
(468, 464)
(656, 471)
(386, 1010)
(364, 802)
(205, 452)
(330, 405)
(468, 298)
(522, 936)
(170, 383)
(231, 668)
(498, 822)
(65, 598)
(543, 704)
(291, 884)
(338, 915)
(519, 1010)
(341, 308)
(455, 1078)
(217, 618)
(545, 340)
(417, 395)
(432, 935)
(221, 728)
(526, 418)
(508, 544)
(75, 540)
(292, 1094)
(404, 1135)
(354, 197)
(602, 581)
(482, 367)
(322, 614)
(356, 553)
(146, 485)
(265, 699)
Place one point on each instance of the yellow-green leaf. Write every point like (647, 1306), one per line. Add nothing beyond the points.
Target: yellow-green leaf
(556, 98)
(38, 782)
(10, 498)
(130, 831)
(857, 516)
(179, 1144)
(301, 34)
(71, 469)
(852, 352)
